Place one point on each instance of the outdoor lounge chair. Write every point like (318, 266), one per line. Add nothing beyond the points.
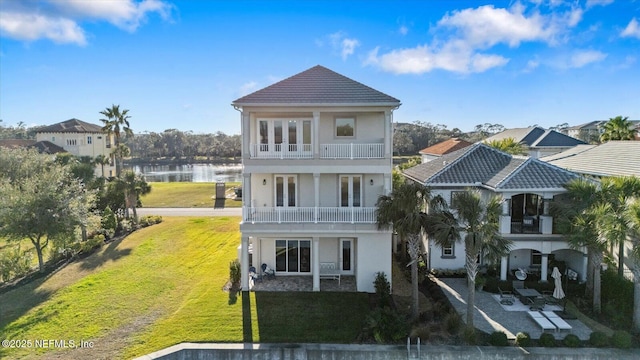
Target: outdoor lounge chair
(537, 304)
(548, 298)
(542, 321)
(268, 272)
(506, 297)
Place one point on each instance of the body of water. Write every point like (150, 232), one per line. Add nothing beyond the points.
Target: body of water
(190, 173)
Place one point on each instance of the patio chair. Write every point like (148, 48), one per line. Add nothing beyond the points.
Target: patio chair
(268, 272)
(537, 304)
(506, 297)
(253, 274)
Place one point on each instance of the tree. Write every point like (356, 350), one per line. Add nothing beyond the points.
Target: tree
(40, 199)
(402, 210)
(117, 124)
(508, 145)
(133, 186)
(102, 161)
(618, 128)
(632, 214)
(475, 222)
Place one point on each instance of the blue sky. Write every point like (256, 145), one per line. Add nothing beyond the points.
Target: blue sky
(179, 64)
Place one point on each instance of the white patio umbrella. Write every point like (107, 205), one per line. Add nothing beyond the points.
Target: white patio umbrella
(558, 293)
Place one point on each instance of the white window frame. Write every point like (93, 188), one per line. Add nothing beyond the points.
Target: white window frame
(351, 255)
(299, 242)
(285, 190)
(335, 127)
(350, 187)
(452, 248)
(271, 146)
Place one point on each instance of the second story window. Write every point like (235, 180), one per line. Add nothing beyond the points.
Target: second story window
(89, 140)
(345, 127)
(72, 142)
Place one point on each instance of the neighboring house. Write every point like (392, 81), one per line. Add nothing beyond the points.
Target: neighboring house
(537, 141)
(81, 139)
(43, 147)
(590, 132)
(317, 154)
(433, 152)
(613, 158)
(526, 185)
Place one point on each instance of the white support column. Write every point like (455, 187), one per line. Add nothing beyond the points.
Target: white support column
(246, 138)
(503, 268)
(244, 264)
(246, 193)
(505, 206)
(387, 184)
(316, 263)
(583, 273)
(388, 134)
(544, 268)
(316, 191)
(316, 134)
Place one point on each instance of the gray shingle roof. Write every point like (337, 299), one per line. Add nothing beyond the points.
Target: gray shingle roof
(481, 164)
(72, 126)
(614, 158)
(317, 85)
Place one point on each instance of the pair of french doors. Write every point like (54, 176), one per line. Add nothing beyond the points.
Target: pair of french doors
(284, 136)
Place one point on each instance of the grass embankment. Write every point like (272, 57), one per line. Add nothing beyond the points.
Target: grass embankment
(187, 194)
(160, 286)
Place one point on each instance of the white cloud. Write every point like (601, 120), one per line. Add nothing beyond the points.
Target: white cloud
(591, 3)
(59, 20)
(582, 58)
(632, 29)
(531, 65)
(403, 30)
(342, 44)
(248, 88)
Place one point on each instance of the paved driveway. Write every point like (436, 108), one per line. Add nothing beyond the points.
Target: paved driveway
(489, 316)
(190, 211)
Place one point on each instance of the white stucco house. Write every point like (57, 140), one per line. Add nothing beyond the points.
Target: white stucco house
(537, 141)
(526, 186)
(316, 154)
(80, 138)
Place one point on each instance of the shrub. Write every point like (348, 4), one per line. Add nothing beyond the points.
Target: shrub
(150, 220)
(385, 325)
(621, 339)
(571, 341)
(14, 263)
(109, 221)
(91, 244)
(598, 339)
(547, 340)
(470, 335)
(523, 339)
(235, 272)
(498, 338)
(383, 289)
(617, 298)
(452, 323)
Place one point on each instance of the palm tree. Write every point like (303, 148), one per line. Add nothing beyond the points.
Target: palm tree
(133, 186)
(633, 217)
(402, 210)
(476, 222)
(508, 145)
(618, 128)
(102, 161)
(116, 123)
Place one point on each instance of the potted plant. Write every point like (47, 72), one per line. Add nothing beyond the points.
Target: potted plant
(480, 281)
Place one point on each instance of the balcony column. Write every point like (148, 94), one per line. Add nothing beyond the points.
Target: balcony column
(505, 206)
(387, 184)
(246, 191)
(246, 138)
(316, 134)
(583, 273)
(244, 263)
(388, 134)
(316, 191)
(316, 263)
(544, 267)
(503, 268)
(545, 206)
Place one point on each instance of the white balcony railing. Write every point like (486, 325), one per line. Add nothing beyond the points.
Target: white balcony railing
(278, 215)
(352, 151)
(281, 151)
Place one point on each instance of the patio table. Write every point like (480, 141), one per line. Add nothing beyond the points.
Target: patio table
(527, 293)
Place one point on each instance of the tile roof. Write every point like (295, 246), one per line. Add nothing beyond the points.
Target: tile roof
(46, 147)
(446, 147)
(315, 86)
(72, 126)
(614, 158)
(552, 138)
(481, 164)
(525, 135)
(16, 143)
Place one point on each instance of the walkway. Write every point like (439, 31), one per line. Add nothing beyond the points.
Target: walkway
(489, 316)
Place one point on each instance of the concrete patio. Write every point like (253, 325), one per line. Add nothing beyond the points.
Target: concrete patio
(304, 283)
(490, 316)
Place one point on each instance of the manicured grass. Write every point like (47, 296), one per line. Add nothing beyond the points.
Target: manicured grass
(163, 285)
(186, 194)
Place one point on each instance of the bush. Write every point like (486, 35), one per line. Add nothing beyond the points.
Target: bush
(109, 221)
(617, 298)
(470, 335)
(498, 338)
(572, 341)
(235, 272)
(385, 325)
(523, 339)
(598, 339)
(547, 340)
(383, 289)
(621, 339)
(14, 263)
(91, 244)
(150, 220)
(452, 323)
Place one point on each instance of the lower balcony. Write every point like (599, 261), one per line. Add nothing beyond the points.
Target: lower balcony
(278, 215)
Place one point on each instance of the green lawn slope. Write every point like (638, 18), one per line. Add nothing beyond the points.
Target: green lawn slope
(186, 194)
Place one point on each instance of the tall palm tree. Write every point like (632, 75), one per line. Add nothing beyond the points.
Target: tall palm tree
(102, 161)
(134, 186)
(618, 128)
(508, 145)
(117, 124)
(476, 222)
(402, 211)
(633, 217)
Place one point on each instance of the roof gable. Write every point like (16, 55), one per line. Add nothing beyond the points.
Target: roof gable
(524, 135)
(446, 147)
(317, 85)
(71, 126)
(555, 138)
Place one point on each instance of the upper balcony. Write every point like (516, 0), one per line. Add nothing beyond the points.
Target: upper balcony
(279, 215)
(327, 151)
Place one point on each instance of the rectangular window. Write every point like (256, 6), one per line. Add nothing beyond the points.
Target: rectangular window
(72, 142)
(89, 140)
(350, 190)
(285, 191)
(293, 256)
(536, 257)
(447, 251)
(345, 127)
(264, 135)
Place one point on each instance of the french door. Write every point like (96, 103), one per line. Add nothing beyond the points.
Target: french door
(346, 256)
(284, 136)
(350, 190)
(286, 190)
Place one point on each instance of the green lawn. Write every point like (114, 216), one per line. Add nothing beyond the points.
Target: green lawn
(186, 194)
(161, 286)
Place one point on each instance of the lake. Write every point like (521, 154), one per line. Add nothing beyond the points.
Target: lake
(190, 172)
